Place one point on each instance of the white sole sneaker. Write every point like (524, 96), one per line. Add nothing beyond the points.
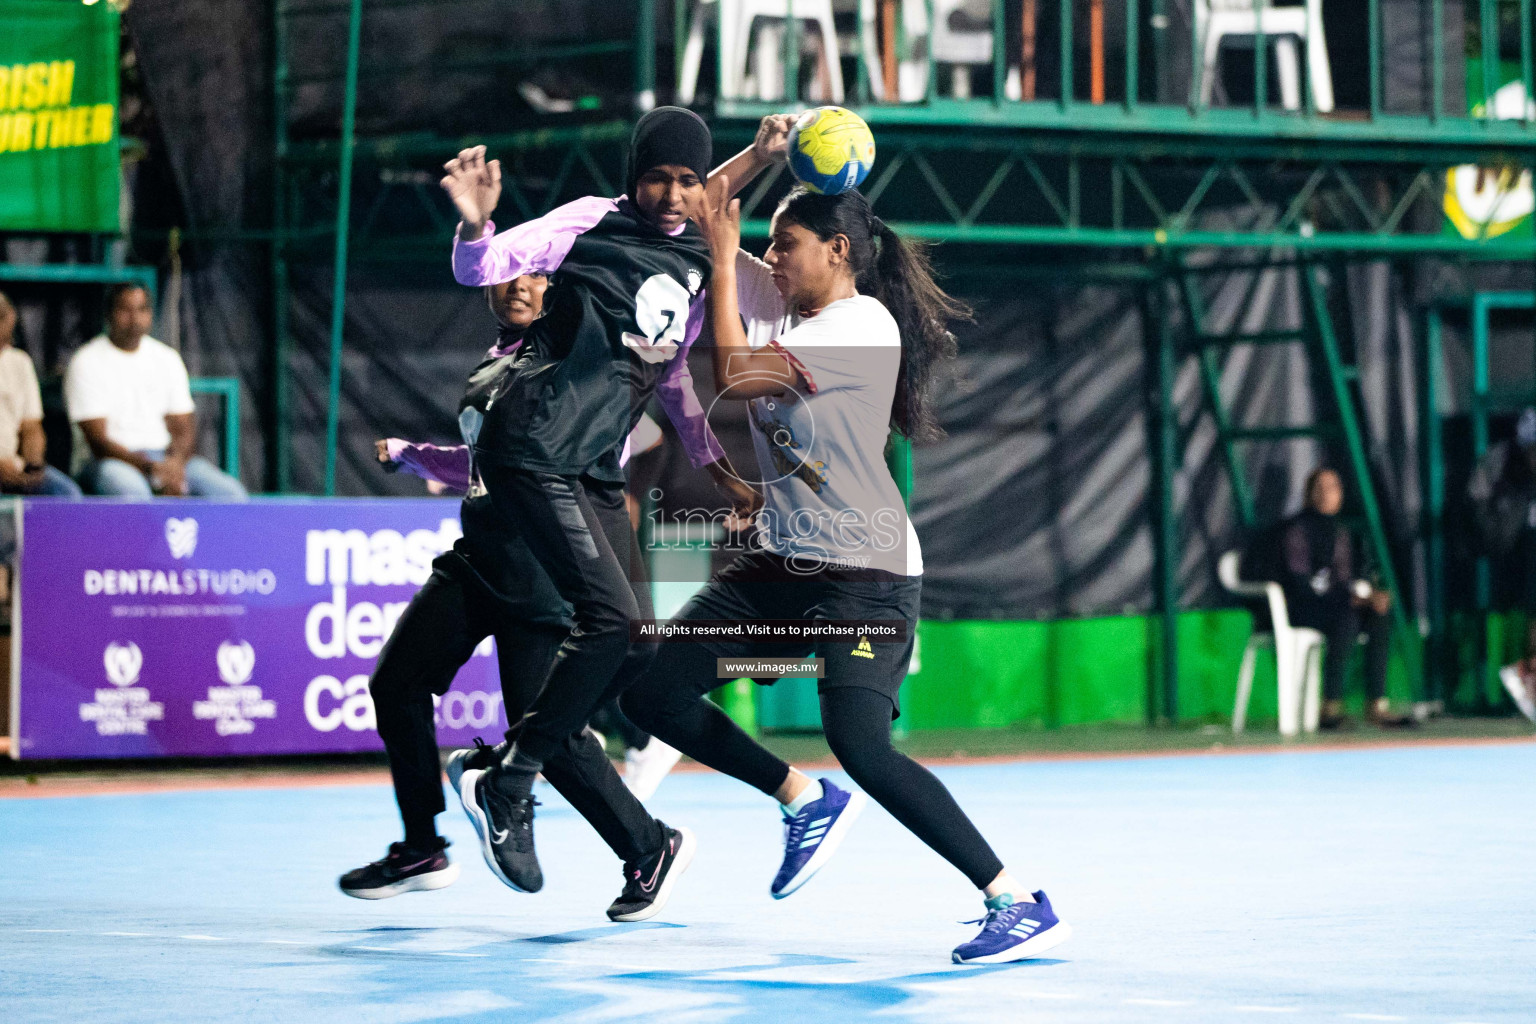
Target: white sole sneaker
(482, 825)
(857, 800)
(1028, 949)
(685, 852)
(416, 883)
(644, 769)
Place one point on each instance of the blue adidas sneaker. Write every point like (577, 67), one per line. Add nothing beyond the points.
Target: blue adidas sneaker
(1015, 931)
(812, 836)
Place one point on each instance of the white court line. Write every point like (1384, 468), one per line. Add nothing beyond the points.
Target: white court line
(202, 938)
(1264, 1009)
(450, 952)
(1373, 1016)
(1156, 1002)
(129, 935)
(46, 931)
(286, 942)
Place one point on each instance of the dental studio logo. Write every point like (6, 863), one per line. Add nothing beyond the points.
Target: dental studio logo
(235, 707)
(181, 536)
(126, 708)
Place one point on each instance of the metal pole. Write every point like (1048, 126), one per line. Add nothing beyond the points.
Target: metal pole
(999, 51)
(1260, 61)
(1434, 511)
(1437, 68)
(1132, 54)
(1373, 41)
(1525, 57)
(1490, 30)
(1165, 440)
(343, 212)
(1066, 53)
(645, 56)
(282, 432)
(1480, 410)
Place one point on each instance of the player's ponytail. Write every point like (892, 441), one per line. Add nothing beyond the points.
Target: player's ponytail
(896, 271)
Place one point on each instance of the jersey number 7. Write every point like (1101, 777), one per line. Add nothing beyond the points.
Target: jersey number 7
(661, 315)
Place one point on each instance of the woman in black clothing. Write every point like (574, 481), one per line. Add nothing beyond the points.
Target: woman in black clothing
(490, 585)
(627, 275)
(1325, 590)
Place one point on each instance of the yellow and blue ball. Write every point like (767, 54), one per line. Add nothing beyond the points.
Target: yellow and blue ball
(830, 149)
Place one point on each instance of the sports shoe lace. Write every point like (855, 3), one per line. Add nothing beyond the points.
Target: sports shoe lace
(995, 921)
(519, 817)
(522, 824)
(794, 829)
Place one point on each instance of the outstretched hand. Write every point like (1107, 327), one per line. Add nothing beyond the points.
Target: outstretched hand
(772, 142)
(474, 185)
(719, 218)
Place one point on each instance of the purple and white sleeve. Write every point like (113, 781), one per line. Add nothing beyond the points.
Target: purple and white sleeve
(447, 466)
(681, 403)
(536, 247)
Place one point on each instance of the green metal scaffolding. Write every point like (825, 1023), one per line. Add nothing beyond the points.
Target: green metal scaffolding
(1126, 182)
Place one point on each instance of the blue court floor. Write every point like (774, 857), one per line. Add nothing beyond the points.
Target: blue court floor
(1367, 885)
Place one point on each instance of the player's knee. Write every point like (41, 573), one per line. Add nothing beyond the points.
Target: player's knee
(638, 707)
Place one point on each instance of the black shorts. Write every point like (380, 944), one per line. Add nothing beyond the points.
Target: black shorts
(760, 585)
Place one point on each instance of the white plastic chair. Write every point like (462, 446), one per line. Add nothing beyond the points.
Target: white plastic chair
(961, 50)
(737, 18)
(1216, 20)
(1298, 656)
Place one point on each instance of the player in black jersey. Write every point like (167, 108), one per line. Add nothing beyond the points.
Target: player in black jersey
(490, 585)
(627, 280)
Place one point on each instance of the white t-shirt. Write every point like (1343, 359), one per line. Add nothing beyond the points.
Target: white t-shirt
(828, 494)
(20, 400)
(133, 391)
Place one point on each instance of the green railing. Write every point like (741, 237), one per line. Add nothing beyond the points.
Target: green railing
(229, 389)
(1148, 63)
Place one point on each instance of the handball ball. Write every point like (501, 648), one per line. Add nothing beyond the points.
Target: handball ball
(830, 150)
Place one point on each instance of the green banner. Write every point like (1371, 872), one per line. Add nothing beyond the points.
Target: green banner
(59, 163)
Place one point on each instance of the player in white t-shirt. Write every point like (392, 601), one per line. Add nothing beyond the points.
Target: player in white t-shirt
(833, 342)
(131, 398)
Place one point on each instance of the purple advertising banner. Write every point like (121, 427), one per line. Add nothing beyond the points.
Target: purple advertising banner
(192, 628)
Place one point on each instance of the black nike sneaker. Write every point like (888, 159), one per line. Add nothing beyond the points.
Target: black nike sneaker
(648, 883)
(404, 869)
(504, 824)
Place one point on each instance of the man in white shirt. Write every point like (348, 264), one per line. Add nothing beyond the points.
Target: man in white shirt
(130, 396)
(22, 442)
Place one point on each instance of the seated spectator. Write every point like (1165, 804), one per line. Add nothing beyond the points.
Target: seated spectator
(130, 396)
(1503, 493)
(1324, 591)
(22, 442)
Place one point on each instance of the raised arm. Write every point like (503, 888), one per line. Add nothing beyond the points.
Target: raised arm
(771, 146)
(740, 372)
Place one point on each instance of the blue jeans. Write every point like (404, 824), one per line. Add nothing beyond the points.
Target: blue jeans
(55, 485)
(118, 478)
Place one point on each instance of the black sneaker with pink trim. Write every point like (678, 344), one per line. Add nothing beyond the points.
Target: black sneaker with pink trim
(402, 870)
(648, 883)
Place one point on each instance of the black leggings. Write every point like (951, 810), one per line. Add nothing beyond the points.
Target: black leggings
(669, 702)
(435, 636)
(579, 530)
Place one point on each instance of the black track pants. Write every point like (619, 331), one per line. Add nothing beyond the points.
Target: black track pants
(435, 636)
(579, 531)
